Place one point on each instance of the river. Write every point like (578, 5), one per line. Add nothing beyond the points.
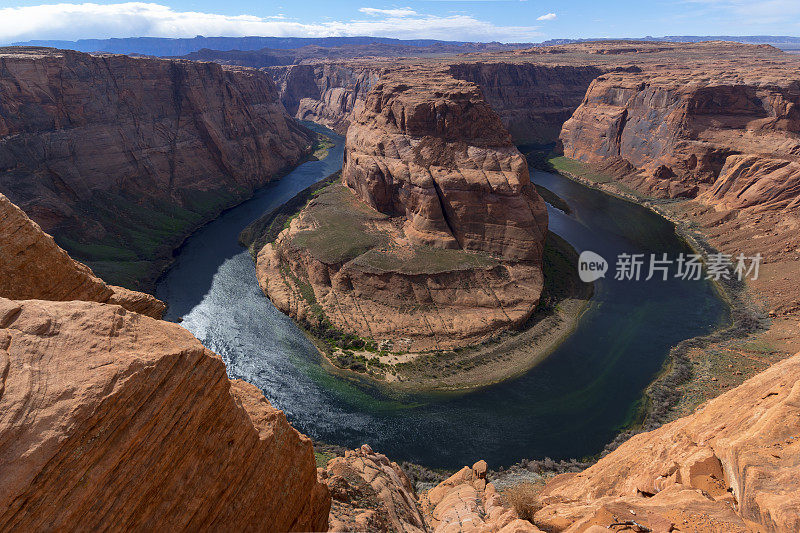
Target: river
(570, 405)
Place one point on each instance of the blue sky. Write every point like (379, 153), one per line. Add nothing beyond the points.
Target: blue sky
(483, 20)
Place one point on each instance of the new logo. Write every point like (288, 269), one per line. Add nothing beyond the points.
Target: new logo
(591, 266)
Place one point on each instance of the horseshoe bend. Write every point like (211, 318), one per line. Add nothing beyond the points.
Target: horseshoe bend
(408, 299)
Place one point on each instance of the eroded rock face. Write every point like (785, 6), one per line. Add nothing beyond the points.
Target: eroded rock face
(371, 493)
(325, 93)
(731, 465)
(109, 419)
(33, 266)
(435, 242)
(533, 101)
(465, 502)
(685, 136)
(119, 157)
(437, 154)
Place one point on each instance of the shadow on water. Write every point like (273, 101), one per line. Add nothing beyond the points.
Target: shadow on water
(571, 405)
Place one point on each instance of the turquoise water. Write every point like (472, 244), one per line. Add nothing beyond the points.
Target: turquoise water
(571, 405)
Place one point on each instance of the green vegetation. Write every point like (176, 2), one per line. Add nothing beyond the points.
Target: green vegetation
(140, 232)
(342, 226)
(322, 457)
(423, 260)
(552, 198)
(267, 227)
(564, 164)
(321, 148)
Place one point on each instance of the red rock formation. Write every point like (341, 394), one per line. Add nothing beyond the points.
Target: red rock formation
(465, 502)
(533, 101)
(112, 420)
(441, 245)
(370, 493)
(731, 466)
(119, 157)
(33, 266)
(685, 136)
(435, 153)
(324, 93)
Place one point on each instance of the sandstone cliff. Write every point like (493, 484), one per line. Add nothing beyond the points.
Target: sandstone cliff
(109, 419)
(533, 101)
(324, 93)
(731, 466)
(437, 240)
(119, 157)
(732, 139)
(33, 266)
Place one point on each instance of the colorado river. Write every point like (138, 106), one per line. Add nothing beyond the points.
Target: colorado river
(571, 405)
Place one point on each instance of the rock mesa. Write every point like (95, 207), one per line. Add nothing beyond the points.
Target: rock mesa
(439, 231)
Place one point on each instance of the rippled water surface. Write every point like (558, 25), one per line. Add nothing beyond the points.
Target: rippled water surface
(568, 406)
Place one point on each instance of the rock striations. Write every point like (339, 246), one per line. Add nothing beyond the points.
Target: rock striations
(110, 419)
(33, 266)
(731, 466)
(435, 238)
(120, 158)
(324, 93)
(729, 135)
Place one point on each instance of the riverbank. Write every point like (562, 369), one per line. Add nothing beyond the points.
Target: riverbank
(704, 367)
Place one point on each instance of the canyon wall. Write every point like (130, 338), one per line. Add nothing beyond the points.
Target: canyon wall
(119, 157)
(325, 93)
(445, 232)
(533, 101)
(732, 142)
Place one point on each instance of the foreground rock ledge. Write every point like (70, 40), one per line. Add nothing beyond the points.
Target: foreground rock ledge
(734, 465)
(109, 417)
(33, 266)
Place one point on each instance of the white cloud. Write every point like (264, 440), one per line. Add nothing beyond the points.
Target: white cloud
(549, 16)
(404, 12)
(139, 19)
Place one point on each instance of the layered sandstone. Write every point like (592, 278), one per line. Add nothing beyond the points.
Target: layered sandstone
(731, 466)
(466, 502)
(440, 233)
(33, 266)
(371, 493)
(110, 419)
(325, 93)
(728, 137)
(119, 158)
(533, 101)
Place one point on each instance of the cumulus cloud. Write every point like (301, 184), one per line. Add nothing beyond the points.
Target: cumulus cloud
(549, 16)
(140, 19)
